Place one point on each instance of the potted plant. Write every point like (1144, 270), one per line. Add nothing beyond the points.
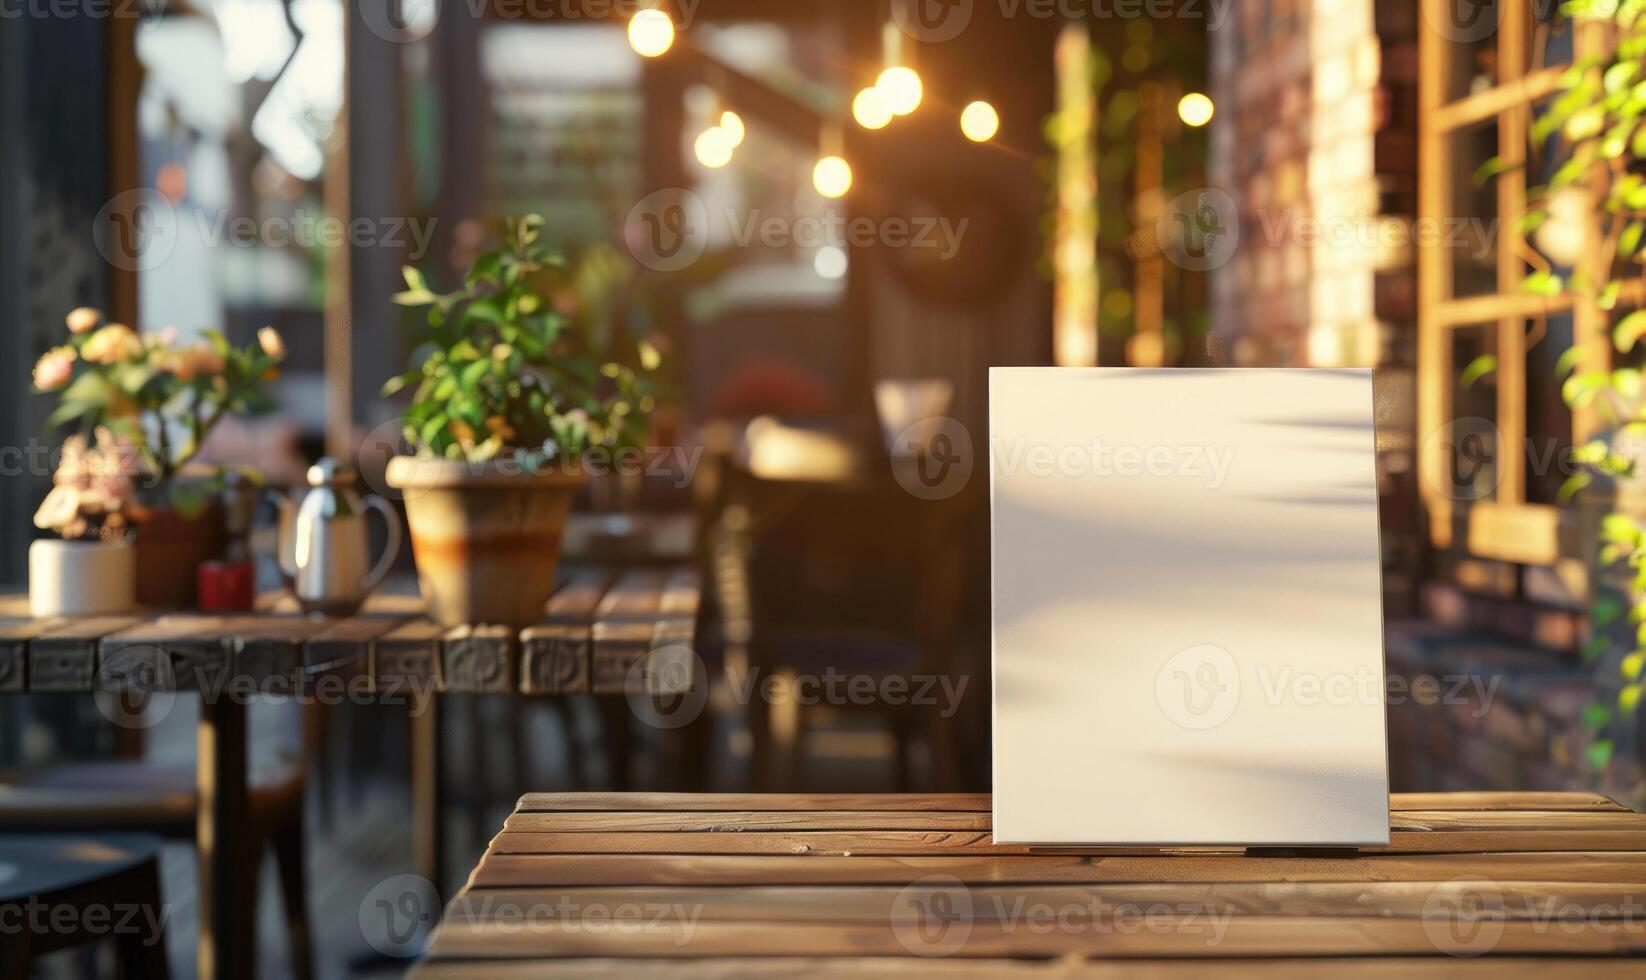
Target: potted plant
(162, 399)
(508, 404)
(90, 568)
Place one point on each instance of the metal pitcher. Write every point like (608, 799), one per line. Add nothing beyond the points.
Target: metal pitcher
(324, 547)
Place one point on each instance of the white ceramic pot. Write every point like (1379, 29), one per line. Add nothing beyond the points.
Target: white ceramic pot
(81, 578)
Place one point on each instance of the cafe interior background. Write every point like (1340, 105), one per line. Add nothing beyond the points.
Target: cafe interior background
(1155, 184)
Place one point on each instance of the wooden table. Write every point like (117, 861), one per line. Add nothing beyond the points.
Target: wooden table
(745, 885)
(602, 633)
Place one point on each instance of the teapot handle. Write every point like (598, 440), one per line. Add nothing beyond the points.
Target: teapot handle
(391, 548)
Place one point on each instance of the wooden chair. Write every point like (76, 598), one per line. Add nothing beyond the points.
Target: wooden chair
(134, 795)
(857, 576)
(65, 890)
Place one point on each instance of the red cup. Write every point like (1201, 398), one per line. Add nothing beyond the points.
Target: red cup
(226, 586)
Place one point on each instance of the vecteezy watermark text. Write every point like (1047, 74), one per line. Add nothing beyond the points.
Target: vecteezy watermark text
(934, 915)
(36, 917)
(1200, 687)
(89, 9)
(1209, 464)
(936, 21)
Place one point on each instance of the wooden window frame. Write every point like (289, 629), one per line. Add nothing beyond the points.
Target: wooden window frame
(1505, 527)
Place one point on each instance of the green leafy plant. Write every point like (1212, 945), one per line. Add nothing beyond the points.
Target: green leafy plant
(502, 373)
(152, 395)
(1597, 194)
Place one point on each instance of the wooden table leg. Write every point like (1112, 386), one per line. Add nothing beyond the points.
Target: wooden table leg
(615, 718)
(428, 788)
(227, 905)
(143, 954)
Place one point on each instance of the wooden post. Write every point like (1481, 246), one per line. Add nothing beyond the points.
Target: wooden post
(227, 905)
(338, 316)
(428, 788)
(1434, 277)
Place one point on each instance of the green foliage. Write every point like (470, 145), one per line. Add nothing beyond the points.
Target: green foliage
(501, 372)
(1596, 120)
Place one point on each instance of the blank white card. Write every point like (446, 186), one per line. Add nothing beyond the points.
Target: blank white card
(1188, 642)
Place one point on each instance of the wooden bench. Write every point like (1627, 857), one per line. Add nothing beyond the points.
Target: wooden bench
(747, 885)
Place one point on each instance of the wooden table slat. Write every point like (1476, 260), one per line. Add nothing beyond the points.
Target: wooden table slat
(554, 655)
(624, 627)
(407, 658)
(1197, 936)
(958, 968)
(981, 802)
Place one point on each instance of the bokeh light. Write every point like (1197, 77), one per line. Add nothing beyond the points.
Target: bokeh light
(900, 89)
(832, 176)
(1195, 109)
(651, 33)
(869, 109)
(979, 122)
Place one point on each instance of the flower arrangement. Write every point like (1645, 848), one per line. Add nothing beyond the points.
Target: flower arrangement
(92, 489)
(152, 395)
(502, 373)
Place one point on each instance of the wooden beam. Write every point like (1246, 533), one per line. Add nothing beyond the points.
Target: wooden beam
(1512, 128)
(1434, 275)
(1483, 107)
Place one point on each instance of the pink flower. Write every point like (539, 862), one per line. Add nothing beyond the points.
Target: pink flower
(112, 344)
(273, 345)
(54, 369)
(203, 360)
(83, 319)
(60, 507)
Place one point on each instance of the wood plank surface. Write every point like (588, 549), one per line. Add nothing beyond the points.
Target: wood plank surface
(981, 802)
(407, 658)
(928, 842)
(624, 625)
(523, 870)
(64, 657)
(480, 660)
(645, 620)
(554, 655)
(905, 968)
(15, 633)
(862, 884)
(1237, 936)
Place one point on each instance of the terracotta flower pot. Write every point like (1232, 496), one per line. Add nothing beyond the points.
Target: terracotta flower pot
(170, 547)
(486, 536)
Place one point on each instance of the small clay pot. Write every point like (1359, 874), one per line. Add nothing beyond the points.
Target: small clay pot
(486, 536)
(170, 546)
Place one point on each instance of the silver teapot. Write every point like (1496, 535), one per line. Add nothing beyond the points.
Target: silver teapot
(324, 546)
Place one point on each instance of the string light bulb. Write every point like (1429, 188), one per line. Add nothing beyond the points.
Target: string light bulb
(713, 147)
(900, 89)
(651, 33)
(832, 176)
(732, 125)
(869, 109)
(979, 121)
(1195, 109)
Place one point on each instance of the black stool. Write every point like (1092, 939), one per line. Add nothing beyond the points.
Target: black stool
(63, 890)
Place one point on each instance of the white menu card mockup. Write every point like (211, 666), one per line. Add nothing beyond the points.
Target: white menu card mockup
(1187, 603)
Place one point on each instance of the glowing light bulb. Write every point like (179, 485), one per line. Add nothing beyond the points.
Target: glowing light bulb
(869, 109)
(1195, 109)
(713, 148)
(651, 33)
(979, 122)
(830, 262)
(900, 89)
(732, 125)
(832, 177)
